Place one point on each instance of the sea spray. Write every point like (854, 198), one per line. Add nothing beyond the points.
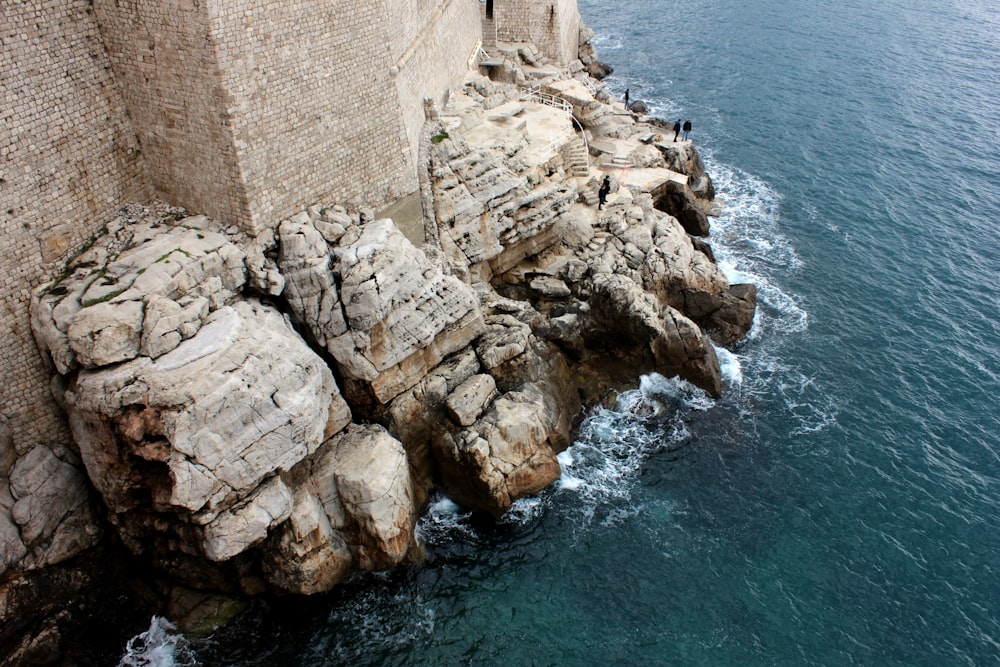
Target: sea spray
(159, 646)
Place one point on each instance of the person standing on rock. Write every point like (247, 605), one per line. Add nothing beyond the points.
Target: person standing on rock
(687, 129)
(626, 99)
(602, 193)
(677, 129)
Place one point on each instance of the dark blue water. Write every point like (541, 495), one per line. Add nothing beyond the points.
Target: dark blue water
(841, 503)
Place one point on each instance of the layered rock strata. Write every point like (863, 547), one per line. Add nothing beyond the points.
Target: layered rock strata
(273, 411)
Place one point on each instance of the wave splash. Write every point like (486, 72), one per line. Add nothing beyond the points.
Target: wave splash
(159, 646)
(601, 467)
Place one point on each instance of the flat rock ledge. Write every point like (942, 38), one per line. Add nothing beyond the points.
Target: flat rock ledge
(272, 413)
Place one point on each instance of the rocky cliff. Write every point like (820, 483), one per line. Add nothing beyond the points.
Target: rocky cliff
(271, 412)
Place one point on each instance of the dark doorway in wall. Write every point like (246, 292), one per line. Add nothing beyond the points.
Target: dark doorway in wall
(489, 9)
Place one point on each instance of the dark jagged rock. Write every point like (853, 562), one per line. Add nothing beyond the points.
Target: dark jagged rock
(678, 200)
(727, 317)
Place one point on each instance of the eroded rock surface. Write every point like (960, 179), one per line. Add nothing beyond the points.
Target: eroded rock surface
(144, 300)
(213, 428)
(190, 446)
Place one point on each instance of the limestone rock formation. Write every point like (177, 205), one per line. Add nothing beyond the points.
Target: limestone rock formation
(402, 315)
(726, 316)
(377, 304)
(211, 424)
(355, 506)
(45, 505)
(486, 208)
(189, 448)
(684, 159)
(505, 455)
(376, 492)
(588, 55)
(143, 301)
(680, 202)
(633, 318)
(12, 549)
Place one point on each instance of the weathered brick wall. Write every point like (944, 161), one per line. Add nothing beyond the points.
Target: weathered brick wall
(317, 113)
(164, 57)
(68, 160)
(431, 44)
(249, 110)
(553, 25)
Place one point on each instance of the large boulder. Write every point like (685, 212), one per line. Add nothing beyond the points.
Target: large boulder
(354, 507)
(403, 315)
(726, 317)
(141, 302)
(310, 286)
(490, 213)
(51, 507)
(187, 449)
(678, 200)
(683, 158)
(414, 415)
(662, 339)
(12, 548)
(376, 493)
(674, 262)
(306, 554)
(506, 454)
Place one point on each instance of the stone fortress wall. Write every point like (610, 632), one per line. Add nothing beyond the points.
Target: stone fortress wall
(429, 43)
(247, 110)
(551, 25)
(69, 159)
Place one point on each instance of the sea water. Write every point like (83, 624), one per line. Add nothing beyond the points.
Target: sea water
(840, 504)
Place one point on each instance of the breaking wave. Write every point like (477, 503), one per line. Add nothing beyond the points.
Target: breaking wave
(159, 646)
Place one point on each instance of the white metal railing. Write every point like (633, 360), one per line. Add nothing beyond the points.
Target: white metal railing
(535, 94)
(556, 139)
(589, 84)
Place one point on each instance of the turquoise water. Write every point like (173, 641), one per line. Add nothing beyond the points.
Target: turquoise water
(840, 504)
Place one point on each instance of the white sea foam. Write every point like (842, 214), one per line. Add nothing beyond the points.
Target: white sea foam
(443, 507)
(373, 620)
(730, 366)
(159, 646)
(444, 519)
(600, 469)
(524, 510)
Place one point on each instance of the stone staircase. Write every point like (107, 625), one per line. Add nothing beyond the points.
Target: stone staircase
(616, 226)
(620, 162)
(588, 195)
(600, 239)
(489, 35)
(579, 159)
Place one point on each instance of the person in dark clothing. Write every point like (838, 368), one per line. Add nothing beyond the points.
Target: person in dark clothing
(687, 129)
(602, 193)
(626, 98)
(677, 129)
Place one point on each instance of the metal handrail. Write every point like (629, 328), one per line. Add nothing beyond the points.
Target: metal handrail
(535, 94)
(543, 153)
